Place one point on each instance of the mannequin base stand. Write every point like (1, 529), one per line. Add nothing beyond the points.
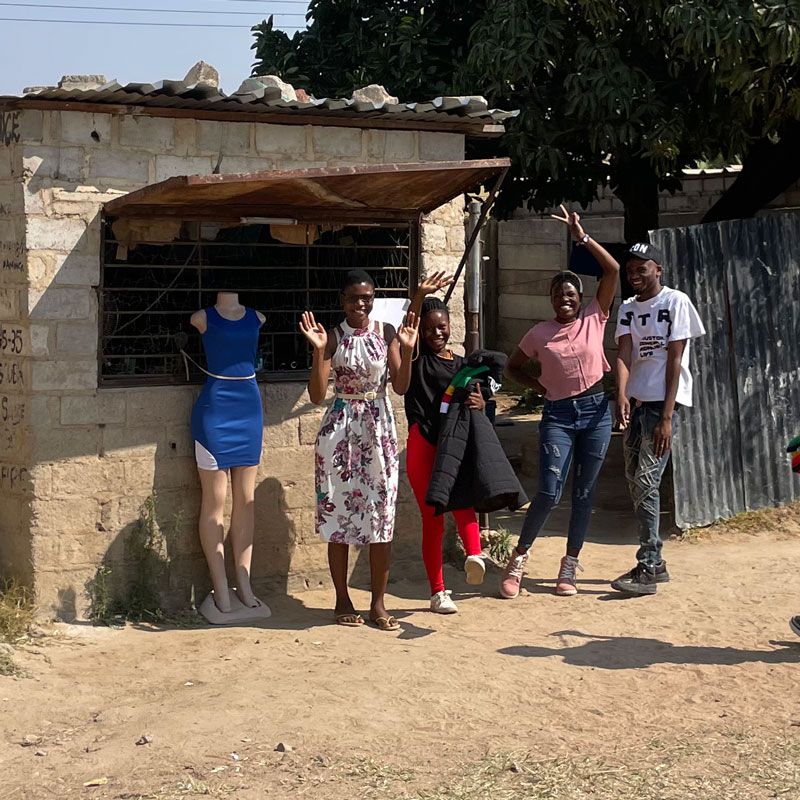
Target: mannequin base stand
(239, 612)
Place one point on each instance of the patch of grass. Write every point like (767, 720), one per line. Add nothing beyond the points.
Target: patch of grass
(134, 595)
(669, 771)
(380, 777)
(498, 543)
(765, 520)
(17, 612)
(8, 667)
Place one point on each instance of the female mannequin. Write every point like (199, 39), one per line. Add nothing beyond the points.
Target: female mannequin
(227, 424)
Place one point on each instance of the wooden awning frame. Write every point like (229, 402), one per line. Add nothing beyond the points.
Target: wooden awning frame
(381, 193)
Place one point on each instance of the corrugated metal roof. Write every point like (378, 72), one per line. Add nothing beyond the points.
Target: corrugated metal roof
(375, 192)
(255, 97)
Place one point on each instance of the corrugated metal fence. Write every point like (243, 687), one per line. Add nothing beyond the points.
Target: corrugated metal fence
(744, 277)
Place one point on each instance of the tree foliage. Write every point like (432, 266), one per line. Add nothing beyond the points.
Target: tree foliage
(622, 93)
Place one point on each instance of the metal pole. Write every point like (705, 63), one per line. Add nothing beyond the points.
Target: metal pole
(474, 235)
(472, 293)
(472, 304)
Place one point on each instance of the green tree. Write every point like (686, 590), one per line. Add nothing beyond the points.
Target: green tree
(619, 93)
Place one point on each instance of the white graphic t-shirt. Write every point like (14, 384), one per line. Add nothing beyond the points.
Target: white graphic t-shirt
(652, 324)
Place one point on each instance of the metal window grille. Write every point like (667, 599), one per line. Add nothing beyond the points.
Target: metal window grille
(148, 292)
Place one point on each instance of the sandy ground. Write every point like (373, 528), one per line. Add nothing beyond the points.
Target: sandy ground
(601, 695)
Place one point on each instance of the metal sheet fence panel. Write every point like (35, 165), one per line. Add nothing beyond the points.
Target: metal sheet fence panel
(706, 487)
(763, 276)
(744, 278)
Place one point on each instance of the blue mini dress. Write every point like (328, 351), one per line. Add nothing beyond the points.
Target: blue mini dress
(227, 419)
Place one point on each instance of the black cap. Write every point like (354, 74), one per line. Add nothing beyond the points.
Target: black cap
(645, 251)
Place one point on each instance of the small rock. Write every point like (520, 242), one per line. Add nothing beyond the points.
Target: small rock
(284, 748)
(188, 683)
(40, 753)
(323, 761)
(202, 73)
(235, 756)
(82, 82)
(515, 767)
(795, 723)
(145, 738)
(6, 649)
(36, 631)
(30, 740)
(375, 94)
(286, 90)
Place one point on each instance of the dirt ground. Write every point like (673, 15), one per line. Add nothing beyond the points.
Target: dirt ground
(690, 692)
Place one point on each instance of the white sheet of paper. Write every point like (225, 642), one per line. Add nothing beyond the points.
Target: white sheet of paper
(390, 309)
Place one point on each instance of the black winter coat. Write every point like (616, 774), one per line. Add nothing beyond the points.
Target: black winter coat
(471, 469)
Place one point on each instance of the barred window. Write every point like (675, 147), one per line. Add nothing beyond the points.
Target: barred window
(149, 289)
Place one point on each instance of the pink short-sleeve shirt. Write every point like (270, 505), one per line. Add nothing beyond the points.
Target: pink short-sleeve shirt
(571, 354)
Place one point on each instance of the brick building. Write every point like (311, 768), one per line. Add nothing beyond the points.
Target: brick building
(107, 245)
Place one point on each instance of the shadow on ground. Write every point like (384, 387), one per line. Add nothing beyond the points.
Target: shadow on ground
(632, 652)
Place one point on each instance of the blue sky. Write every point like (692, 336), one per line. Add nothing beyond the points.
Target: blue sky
(39, 53)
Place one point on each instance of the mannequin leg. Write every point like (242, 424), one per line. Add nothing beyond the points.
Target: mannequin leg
(243, 485)
(214, 484)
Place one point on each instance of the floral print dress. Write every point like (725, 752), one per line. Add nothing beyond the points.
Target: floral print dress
(356, 449)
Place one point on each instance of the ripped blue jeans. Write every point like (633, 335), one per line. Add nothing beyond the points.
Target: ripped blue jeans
(576, 430)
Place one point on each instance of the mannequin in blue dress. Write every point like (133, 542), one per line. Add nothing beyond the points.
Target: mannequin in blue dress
(227, 425)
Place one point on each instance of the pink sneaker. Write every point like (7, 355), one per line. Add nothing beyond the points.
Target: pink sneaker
(512, 575)
(565, 585)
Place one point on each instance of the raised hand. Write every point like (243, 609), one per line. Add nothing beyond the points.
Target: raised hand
(572, 220)
(408, 331)
(434, 282)
(313, 331)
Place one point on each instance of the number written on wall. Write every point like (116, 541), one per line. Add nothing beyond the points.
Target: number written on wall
(11, 340)
(11, 374)
(12, 476)
(12, 410)
(9, 127)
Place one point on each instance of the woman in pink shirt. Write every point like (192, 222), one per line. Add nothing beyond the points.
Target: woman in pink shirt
(576, 421)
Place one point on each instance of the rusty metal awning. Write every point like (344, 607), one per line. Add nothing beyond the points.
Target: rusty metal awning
(380, 193)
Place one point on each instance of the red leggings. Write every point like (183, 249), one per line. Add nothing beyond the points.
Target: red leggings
(420, 456)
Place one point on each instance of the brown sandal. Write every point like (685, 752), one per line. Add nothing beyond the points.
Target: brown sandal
(349, 620)
(386, 623)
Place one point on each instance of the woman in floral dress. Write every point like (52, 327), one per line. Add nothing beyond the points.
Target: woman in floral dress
(356, 450)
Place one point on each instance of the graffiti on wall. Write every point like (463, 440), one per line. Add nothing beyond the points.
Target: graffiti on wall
(9, 127)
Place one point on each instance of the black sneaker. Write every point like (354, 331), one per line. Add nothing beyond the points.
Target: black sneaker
(662, 576)
(794, 624)
(640, 580)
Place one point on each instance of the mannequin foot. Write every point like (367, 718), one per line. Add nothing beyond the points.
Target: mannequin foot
(222, 600)
(246, 596)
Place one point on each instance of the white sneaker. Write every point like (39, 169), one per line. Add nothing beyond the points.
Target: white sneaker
(475, 569)
(442, 604)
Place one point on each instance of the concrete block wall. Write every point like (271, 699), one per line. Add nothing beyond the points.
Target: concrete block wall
(91, 456)
(532, 248)
(17, 345)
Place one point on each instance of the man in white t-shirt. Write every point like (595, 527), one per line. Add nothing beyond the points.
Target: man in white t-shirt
(654, 330)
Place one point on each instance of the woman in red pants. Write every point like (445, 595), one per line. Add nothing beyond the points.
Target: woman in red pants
(431, 373)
